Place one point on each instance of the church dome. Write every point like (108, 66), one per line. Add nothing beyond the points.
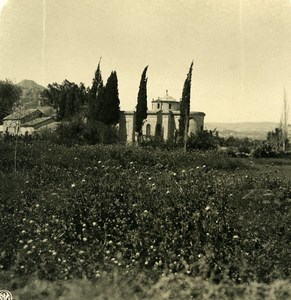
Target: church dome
(165, 98)
(166, 103)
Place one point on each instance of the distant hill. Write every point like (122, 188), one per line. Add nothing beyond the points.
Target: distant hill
(31, 93)
(253, 130)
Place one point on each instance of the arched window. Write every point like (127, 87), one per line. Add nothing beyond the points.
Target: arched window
(148, 130)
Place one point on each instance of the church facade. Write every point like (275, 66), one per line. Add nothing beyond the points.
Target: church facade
(162, 121)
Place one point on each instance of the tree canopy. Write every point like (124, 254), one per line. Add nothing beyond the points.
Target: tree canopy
(67, 98)
(185, 106)
(9, 97)
(109, 114)
(141, 107)
(96, 96)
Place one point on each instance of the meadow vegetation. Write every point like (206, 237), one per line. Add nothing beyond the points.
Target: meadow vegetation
(141, 223)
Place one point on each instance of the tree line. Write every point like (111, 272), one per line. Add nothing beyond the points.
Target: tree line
(95, 109)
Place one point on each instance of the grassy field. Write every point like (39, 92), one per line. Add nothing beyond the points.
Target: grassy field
(115, 222)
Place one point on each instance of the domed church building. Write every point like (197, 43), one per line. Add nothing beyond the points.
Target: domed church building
(162, 121)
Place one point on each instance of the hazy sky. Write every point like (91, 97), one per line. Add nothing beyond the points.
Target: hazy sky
(241, 49)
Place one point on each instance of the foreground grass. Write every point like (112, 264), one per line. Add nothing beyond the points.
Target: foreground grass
(144, 223)
(121, 286)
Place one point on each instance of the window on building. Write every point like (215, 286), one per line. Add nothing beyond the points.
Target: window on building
(158, 105)
(148, 130)
(170, 105)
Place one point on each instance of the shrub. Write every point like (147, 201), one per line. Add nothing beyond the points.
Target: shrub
(264, 151)
(203, 140)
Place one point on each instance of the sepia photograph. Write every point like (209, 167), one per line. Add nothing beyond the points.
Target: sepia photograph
(145, 149)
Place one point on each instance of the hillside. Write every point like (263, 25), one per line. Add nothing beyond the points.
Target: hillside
(31, 93)
(254, 130)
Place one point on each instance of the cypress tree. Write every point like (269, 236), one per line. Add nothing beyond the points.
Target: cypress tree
(110, 110)
(141, 107)
(96, 96)
(185, 108)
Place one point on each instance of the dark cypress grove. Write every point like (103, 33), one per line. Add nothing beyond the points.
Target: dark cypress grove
(110, 110)
(185, 108)
(96, 96)
(141, 107)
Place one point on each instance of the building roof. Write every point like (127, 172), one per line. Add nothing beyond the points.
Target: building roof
(165, 98)
(18, 115)
(36, 122)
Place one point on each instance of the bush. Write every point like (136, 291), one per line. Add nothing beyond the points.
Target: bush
(264, 151)
(203, 140)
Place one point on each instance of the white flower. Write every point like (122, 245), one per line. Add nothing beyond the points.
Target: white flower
(73, 185)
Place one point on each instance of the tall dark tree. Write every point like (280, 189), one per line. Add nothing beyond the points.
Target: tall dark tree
(9, 97)
(141, 107)
(185, 108)
(109, 114)
(96, 96)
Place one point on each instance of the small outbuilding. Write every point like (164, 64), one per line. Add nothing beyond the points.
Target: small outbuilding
(26, 122)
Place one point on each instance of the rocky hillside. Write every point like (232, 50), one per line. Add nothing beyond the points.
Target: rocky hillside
(31, 93)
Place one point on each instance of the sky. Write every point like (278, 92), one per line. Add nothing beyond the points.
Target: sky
(241, 49)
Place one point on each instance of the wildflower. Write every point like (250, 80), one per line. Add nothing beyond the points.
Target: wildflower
(73, 185)
(94, 223)
(85, 239)
(207, 207)
(235, 237)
